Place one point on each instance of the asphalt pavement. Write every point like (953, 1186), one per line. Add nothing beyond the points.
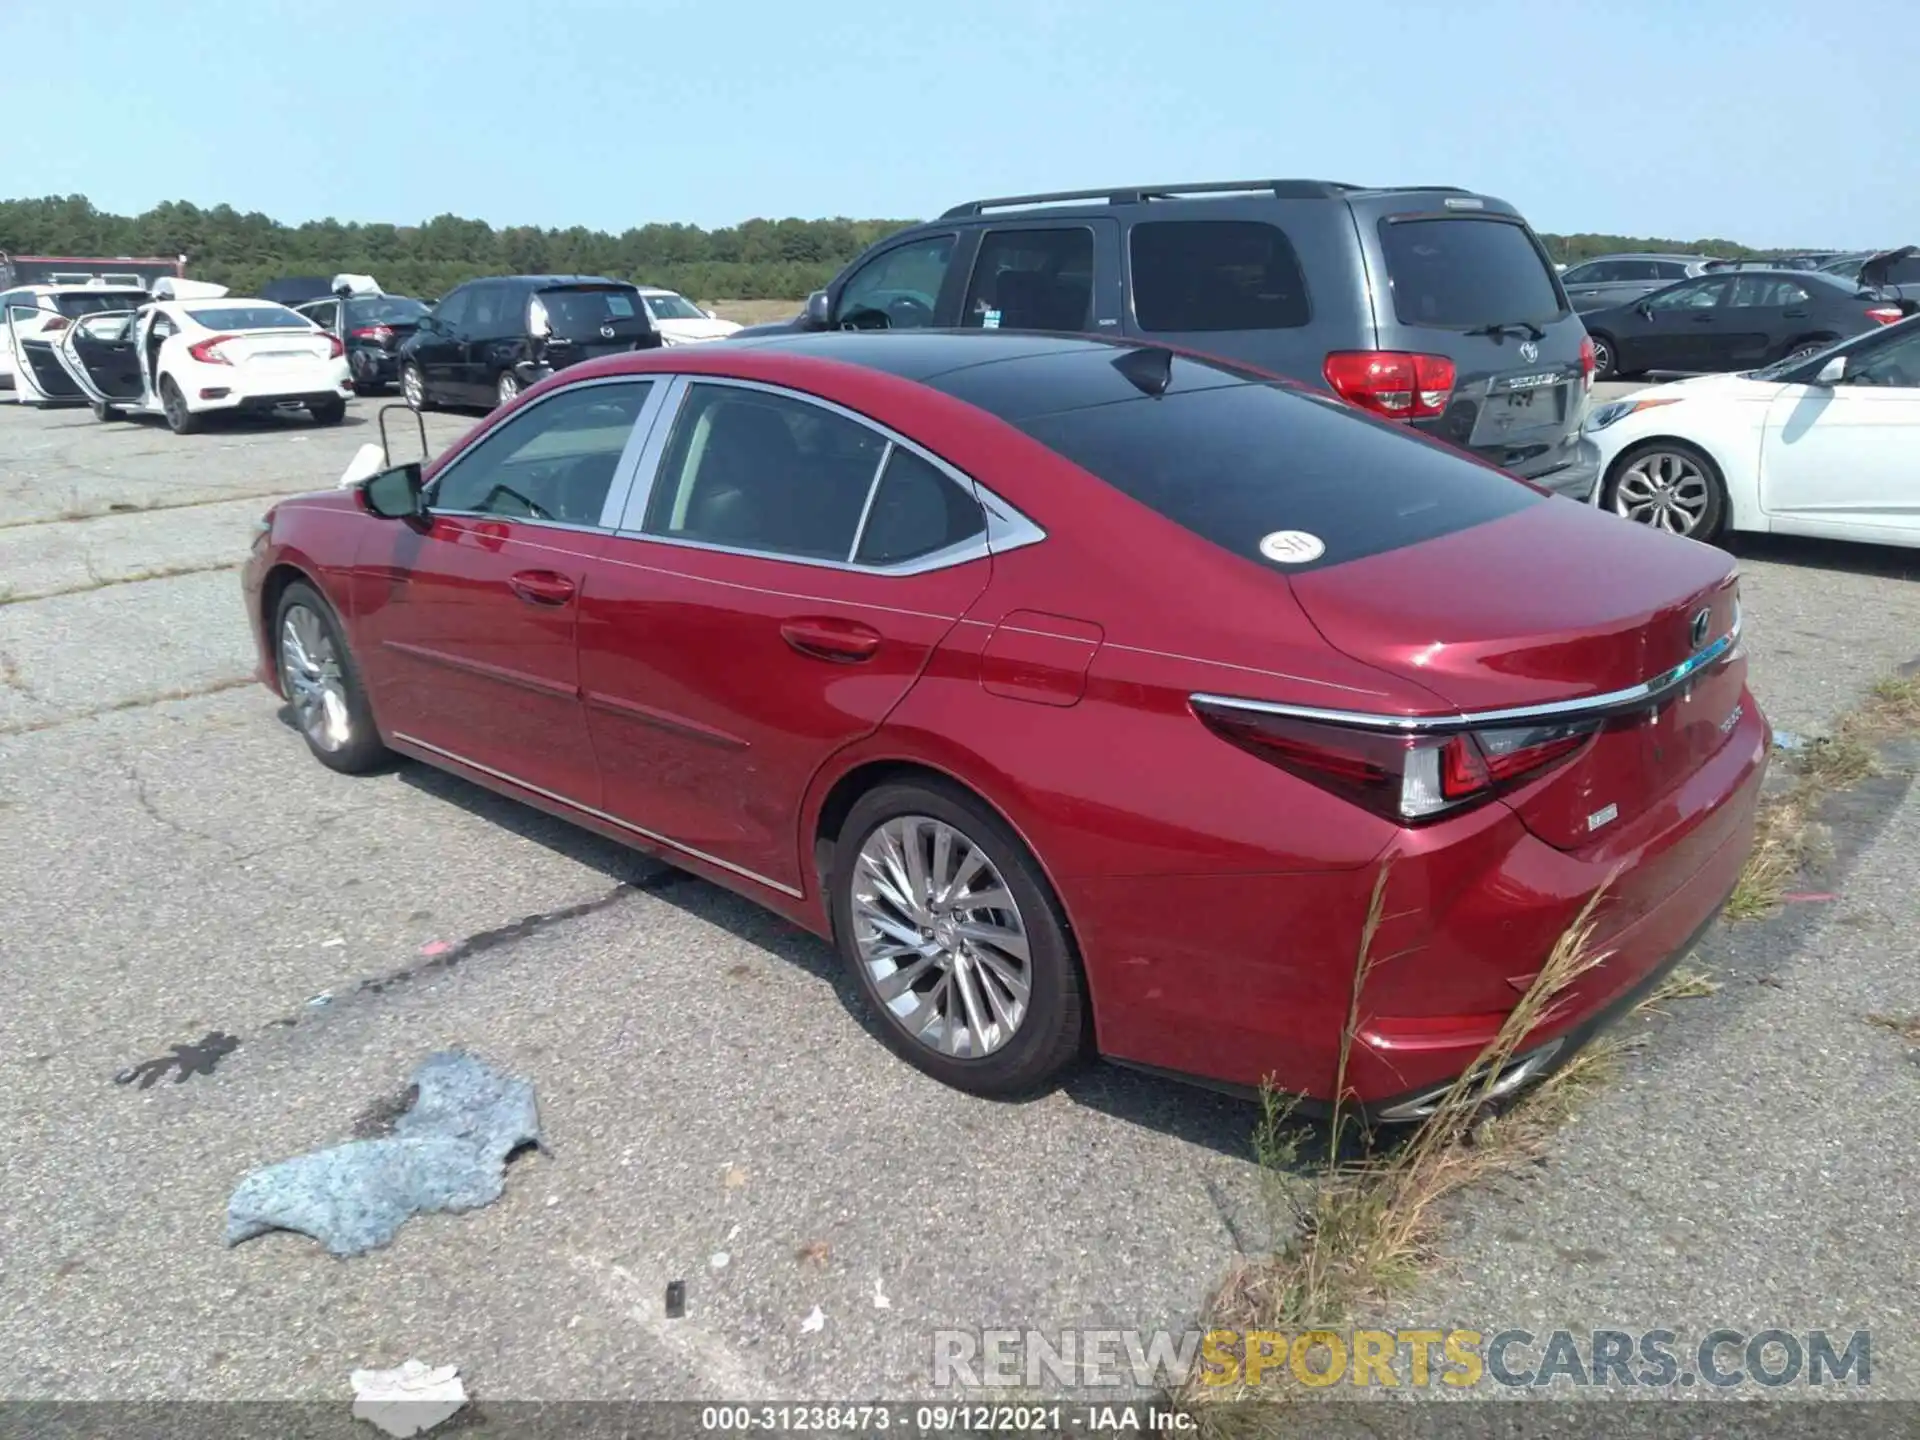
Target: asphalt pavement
(181, 874)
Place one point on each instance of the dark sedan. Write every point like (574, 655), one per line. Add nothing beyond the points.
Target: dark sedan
(372, 328)
(1734, 320)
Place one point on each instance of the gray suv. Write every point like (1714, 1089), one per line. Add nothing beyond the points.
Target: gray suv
(1429, 304)
(1615, 279)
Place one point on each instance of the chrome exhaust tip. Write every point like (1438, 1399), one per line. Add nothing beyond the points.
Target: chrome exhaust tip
(1517, 1074)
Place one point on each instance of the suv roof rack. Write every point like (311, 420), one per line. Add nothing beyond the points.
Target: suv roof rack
(1137, 194)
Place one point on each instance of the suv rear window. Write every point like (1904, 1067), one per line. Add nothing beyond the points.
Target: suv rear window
(1198, 275)
(74, 306)
(1460, 273)
(1237, 463)
(577, 312)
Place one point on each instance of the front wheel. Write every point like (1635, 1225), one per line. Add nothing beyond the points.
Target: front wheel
(1806, 349)
(957, 942)
(322, 684)
(413, 387)
(1671, 486)
(509, 388)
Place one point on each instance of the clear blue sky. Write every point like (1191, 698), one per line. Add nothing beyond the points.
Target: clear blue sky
(1769, 122)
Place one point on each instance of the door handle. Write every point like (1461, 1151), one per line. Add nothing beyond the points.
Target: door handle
(844, 642)
(1703, 319)
(542, 587)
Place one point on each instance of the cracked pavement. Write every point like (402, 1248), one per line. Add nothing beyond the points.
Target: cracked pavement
(180, 873)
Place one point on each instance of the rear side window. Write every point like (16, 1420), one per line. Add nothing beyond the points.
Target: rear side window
(916, 511)
(1199, 275)
(74, 306)
(1460, 273)
(1236, 464)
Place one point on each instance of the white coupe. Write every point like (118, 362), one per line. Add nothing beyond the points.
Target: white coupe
(187, 358)
(680, 321)
(1826, 446)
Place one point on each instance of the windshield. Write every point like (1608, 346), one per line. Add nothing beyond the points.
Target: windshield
(673, 307)
(385, 310)
(248, 317)
(94, 301)
(1462, 273)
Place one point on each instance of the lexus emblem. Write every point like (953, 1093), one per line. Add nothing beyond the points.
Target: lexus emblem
(1701, 621)
(1529, 351)
(606, 332)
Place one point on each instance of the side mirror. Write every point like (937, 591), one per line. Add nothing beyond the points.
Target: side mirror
(817, 310)
(394, 494)
(428, 323)
(1645, 310)
(1833, 372)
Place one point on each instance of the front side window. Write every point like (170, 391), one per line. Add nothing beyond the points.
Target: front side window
(752, 471)
(674, 307)
(1894, 364)
(897, 290)
(1702, 296)
(1209, 275)
(552, 461)
(1591, 273)
(451, 313)
(1032, 280)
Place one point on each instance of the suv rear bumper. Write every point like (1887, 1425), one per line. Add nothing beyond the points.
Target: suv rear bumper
(1573, 471)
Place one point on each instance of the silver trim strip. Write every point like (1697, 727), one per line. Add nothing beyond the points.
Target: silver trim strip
(602, 815)
(1632, 698)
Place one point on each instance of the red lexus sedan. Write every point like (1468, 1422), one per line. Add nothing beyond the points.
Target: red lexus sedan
(1076, 691)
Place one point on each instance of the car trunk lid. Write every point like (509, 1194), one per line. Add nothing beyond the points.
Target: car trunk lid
(580, 322)
(271, 350)
(1552, 611)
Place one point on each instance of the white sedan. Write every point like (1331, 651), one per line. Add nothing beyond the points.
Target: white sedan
(1827, 446)
(680, 321)
(187, 359)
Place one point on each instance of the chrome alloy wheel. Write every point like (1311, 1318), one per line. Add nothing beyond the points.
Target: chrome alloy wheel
(413, 386)
(1664, 489)
(941, 937)
(509, 387)
(310, 675)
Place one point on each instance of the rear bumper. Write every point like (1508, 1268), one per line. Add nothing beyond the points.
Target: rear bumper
(1574, 471)
(1246, 980)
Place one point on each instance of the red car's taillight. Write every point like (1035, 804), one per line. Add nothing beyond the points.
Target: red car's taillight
(207, 352)
(1393, 383)
(1407, 778)
(1886, 314)
(1588, 364)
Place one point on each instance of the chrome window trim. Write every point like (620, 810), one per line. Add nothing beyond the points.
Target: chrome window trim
(1006, 528)
(624, 469)
(1632, 698)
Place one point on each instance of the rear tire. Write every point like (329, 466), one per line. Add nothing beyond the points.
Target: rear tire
(1801, 349)
(173, 404)
(322, 683)
(102, 411)
(1669, 485)
(328, 412)
(508, 389)
(1603, 357)
(981, 1037)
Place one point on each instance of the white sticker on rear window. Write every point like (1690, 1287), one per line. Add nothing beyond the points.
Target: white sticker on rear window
(619, 305)
(1292, 547)
(990, 320)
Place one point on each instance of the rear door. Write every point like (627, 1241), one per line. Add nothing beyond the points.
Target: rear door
(101, 353)
(1763, 312)
(1474, 287)
(38, 376)
(1061, 275)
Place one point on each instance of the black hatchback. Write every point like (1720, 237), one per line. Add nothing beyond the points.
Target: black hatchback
(1427, 304)
(371, 328)
(487, 340)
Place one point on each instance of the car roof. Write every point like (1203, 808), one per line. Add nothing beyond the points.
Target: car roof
(542, 282)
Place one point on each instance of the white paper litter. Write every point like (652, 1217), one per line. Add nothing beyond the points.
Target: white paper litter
(880, 1300)
(815, 1322)
(410, 1400)
(719, 1260)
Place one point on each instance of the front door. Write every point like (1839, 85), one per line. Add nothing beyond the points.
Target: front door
(439, 346)
(468, 621)
(1848, 455)
(1674, 329)
(770, 599)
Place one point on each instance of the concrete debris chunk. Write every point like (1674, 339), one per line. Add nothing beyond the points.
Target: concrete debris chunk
(448, 1152)
(409, 1400)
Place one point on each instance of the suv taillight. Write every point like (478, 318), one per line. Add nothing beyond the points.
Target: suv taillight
(207, 352)
(1393, 383)
(1406, 778)
(1588, 364)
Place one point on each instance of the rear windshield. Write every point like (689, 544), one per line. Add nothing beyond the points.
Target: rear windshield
(1238, 463)
(1461, 273)
(575, 312)
(248, 317)
(674, 307)
(95, 301)
(385, 310)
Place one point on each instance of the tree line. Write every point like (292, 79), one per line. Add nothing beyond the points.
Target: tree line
(756, 259)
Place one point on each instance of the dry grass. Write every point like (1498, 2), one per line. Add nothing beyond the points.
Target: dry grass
(1365, 1229)
(1788, 837)
(1683, 982)
(754, 312)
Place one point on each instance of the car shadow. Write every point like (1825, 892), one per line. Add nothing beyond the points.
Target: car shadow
(1222, 1123)
(1883, 562)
